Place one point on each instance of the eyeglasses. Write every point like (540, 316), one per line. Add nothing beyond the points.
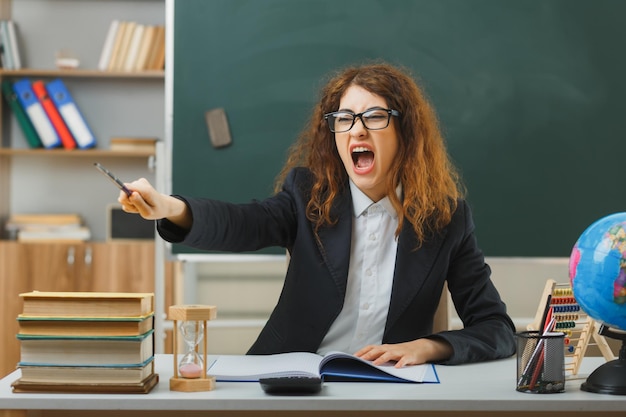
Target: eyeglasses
(372, 119)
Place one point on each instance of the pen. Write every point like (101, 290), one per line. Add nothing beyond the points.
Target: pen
(119, 184)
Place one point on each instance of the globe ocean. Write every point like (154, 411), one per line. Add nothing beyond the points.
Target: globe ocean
(597, 270)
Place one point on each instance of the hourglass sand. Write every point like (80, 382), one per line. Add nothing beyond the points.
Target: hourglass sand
(190, 373)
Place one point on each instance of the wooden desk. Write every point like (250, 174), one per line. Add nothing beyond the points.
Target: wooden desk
(469, 390)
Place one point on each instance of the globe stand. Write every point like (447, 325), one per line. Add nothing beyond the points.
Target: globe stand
(609, 378)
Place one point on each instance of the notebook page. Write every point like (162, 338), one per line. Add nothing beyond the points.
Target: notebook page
(254, 367)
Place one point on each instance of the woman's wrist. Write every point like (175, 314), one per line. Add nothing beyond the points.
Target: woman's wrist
(178, 213)
(438, 349)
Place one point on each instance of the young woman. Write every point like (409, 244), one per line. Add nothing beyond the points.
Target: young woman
(370, 209)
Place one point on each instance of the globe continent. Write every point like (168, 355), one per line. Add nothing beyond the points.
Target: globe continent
(597, 270)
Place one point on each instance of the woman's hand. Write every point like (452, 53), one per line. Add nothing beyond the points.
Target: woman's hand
(415, 352)
(152, 205)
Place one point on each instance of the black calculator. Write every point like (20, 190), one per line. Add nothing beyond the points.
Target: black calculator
(291, 385)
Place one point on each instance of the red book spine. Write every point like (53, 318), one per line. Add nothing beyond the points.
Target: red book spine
(53, 114)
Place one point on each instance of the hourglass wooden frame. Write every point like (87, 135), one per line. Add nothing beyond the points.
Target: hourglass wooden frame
(197, 313)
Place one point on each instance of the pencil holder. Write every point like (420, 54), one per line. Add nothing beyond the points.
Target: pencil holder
(540, 362)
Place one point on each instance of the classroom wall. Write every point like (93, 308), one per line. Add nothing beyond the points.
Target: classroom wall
(44, 184)
(246, 292)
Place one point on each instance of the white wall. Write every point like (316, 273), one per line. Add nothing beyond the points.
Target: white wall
(245, 293)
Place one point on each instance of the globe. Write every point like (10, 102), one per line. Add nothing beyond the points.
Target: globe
(597, 273)
(597, 270)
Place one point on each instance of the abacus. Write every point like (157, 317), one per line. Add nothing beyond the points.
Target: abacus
(558, 301)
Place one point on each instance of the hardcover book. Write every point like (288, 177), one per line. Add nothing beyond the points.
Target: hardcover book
(6, 46)
(86, 374)
(142, 387)
(84, 351)
(107, 48)
(87, 304)
(127, 143)
(85, 326)
(69, 233)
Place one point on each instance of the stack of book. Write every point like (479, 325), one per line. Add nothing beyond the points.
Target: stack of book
(48, 114)
(130, 47)
(86, 342)
(47, 227)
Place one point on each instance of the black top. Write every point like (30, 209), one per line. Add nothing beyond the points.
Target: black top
(315, 282)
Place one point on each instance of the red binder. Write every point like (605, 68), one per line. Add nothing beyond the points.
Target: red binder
(53, 114)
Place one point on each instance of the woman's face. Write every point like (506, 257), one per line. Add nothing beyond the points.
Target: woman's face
(367, 155)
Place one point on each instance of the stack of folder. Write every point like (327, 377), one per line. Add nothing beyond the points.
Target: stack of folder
(48, 114)
(86, 342)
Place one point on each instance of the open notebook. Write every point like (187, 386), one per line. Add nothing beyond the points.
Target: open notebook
(334, 366)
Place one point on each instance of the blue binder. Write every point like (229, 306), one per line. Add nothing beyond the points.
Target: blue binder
(71, 114)
(36, 113)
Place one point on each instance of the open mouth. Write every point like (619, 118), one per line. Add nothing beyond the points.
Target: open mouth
(362, 157)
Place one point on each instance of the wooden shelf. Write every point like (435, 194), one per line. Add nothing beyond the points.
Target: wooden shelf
(74, 153)
(81, 73)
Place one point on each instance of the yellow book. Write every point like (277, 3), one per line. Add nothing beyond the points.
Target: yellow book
(117, 44)
(144, 48)
(157, 49)
(120, 58)
(133, 48)
(133, 144)
(84, 326)
(45, 219)
(87, 304)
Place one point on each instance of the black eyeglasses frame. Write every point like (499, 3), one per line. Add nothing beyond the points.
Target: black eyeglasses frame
(390, 112)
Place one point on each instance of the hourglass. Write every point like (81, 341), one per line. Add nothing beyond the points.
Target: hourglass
(190, 372)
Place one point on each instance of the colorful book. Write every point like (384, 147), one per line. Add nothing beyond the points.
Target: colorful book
(53, 114)
(85, 326)
(87, 304)
(72, 116)
(36, 113)
(84, 351)
(20, 114)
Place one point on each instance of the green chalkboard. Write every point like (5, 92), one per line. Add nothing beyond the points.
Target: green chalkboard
(531, 96)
